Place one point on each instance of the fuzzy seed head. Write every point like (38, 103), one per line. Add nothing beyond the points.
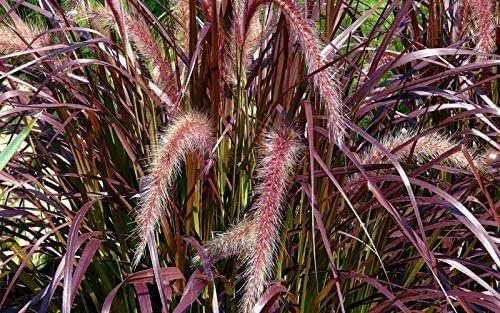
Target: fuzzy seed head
(324, 80)
(249, 40)
(281, 150)
(426, 148)
(11, 38)
(186, 133)
(139, 35)
(238, 240)
(162, 73)
(483, 11)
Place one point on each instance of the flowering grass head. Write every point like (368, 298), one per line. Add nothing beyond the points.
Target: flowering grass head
(186, 133)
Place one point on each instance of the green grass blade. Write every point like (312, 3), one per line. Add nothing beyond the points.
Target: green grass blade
(14, 145)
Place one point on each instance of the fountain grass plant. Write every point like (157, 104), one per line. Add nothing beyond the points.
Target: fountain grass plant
(317, 156)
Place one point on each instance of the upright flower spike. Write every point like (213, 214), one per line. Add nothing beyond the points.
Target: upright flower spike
(480, 13)
(281, 151)
(325, 79)
(186, 133)
(484, 12)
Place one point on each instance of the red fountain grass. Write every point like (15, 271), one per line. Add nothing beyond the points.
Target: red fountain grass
(426, 147)
(79, 111)
(186, 133)
(247, 40)
(281, 150)
(324, 78)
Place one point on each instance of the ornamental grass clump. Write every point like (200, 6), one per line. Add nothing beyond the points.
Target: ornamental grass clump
(370, 219)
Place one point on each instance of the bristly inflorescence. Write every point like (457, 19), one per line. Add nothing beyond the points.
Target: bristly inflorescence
(237, 240)
(425, 148)
(186, 133)
(162, 70)
(484, 13)
(244, 42)
(280, 155)
(255, 239)
(21, 37)
(324, 78)
(139, 35)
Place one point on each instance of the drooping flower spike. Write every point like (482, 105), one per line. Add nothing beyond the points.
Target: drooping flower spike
(280, 155)
(164, 83)
(324, 78)
(21, 37)
(186, 133)
(425, 148)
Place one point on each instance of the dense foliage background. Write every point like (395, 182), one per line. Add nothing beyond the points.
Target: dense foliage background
(85, 89)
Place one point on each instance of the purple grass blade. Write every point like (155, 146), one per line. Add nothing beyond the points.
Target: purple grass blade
(85, 259)
(70, 254)
(195, 286)
(141, 290)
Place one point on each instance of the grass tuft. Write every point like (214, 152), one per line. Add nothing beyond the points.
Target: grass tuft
(103, 155)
